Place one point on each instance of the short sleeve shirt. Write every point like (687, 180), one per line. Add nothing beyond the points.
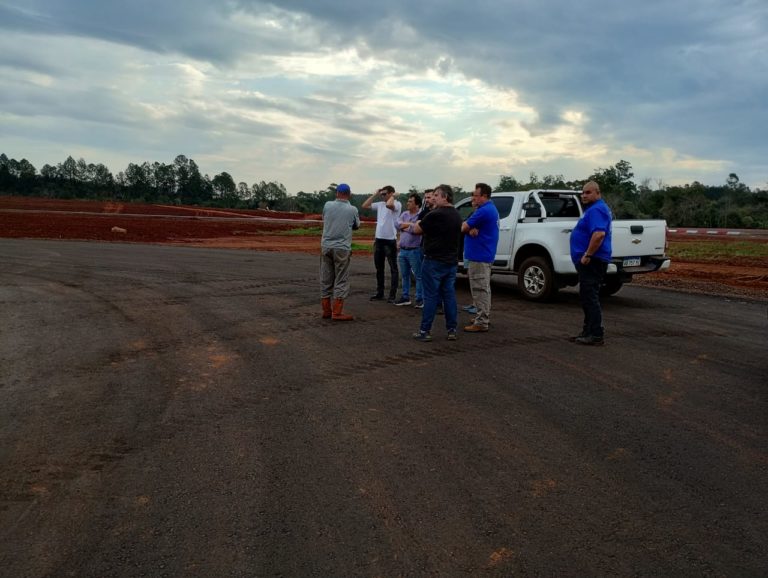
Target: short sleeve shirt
(386, 220)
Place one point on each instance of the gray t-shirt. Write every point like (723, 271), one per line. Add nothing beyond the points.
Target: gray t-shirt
(339, 219)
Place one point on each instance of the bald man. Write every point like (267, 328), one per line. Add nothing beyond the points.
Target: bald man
(591, 253)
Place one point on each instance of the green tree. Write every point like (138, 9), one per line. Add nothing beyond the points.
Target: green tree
(7, 179)
(243, 191)
(164, 181)
(224, 189)
(615, 180)
(67, 171)
(138, 181)
(27, 177)
(270, 195)
(103, 179)
(508, 183)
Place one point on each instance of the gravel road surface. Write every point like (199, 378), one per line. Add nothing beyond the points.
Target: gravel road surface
(174, 411)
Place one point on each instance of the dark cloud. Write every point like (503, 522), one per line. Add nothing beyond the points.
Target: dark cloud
(690, 75)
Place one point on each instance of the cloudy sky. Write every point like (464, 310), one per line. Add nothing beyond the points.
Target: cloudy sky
(310, 92)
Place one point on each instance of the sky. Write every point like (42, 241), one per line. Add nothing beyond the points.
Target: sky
(314, 92)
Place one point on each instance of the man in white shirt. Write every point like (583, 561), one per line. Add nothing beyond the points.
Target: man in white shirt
(388, 210)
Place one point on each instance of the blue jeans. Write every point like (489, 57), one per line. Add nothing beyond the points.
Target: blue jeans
(590, 279)
(410, 261)
(439, 283)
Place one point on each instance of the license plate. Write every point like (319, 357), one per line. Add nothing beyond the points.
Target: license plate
(632, 262)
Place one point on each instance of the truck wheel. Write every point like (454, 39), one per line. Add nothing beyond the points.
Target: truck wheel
(535, 279)
(611, 285)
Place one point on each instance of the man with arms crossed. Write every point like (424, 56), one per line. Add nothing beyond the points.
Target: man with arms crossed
(482, 236)
(410, 251)
(441, 230)
(591, 253)
(340, 218)
(385, 244)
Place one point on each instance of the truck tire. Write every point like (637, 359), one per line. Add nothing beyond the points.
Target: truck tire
(535, 279)
(611, 285)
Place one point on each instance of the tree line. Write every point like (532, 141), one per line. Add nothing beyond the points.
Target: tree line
(731, 204)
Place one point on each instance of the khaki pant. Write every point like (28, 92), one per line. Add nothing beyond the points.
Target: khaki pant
(334, 273)
(480, 286)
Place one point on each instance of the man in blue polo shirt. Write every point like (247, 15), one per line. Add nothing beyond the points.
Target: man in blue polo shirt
(482, 236)
(591, 253)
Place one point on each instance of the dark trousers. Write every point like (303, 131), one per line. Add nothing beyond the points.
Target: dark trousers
(385, 250)
(590, 278)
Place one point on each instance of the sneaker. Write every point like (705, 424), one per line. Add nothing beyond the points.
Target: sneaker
(471, 309)
(392, 301)
(579, 336)
(476, 328)
(403, 301)
(452, 335)
(377, 297)
(419, 304)
(589, 340)
(422, 336)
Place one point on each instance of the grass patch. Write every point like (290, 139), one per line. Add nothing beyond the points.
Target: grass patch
(365, 245)
(303, 232)
(317, 231)
(716, 250)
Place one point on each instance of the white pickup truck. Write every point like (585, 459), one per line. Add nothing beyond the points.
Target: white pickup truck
(534, 242)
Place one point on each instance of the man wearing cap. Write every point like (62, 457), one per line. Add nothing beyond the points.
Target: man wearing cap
(340, 218)
(591, 253)
(388, 210)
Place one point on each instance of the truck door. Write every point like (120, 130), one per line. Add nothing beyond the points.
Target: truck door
(506, 231)
(506, 228)
(465, 209)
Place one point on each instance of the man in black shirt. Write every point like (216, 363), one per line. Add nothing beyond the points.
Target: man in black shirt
(441, 230)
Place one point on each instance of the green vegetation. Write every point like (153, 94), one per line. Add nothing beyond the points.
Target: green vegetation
(362, 246)
(730, 204)
(316, 231)
(717, 250)
(303, 232)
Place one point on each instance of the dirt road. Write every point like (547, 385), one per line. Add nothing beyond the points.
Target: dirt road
(175, 411)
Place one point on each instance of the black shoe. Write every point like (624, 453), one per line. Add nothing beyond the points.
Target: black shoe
(377, 297)
(589, 340)
(391, 300)
(403, 301)
(579, 336)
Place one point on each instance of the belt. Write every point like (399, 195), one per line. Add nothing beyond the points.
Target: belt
(410, 248)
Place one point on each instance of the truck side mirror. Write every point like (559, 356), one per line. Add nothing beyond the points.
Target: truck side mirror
(532, 210)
